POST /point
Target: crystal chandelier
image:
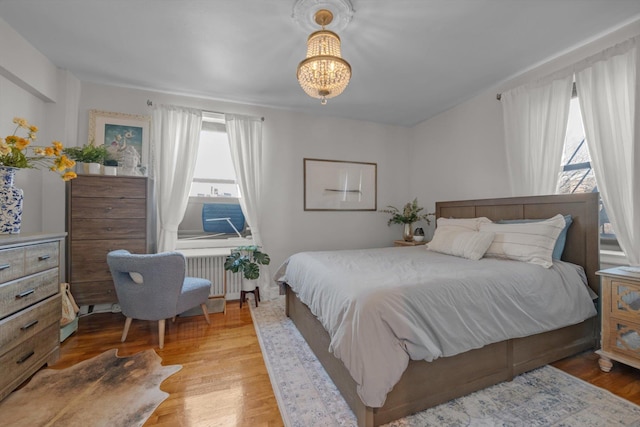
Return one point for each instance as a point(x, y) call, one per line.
point(323, 74)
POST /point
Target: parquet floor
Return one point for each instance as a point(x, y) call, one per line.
point(224, 381)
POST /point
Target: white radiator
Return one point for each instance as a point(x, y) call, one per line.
point(211, 267)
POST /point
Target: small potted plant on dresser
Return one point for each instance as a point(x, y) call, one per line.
point(247, 261)
point(88, 158)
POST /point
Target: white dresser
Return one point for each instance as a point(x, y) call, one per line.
point(30, 305)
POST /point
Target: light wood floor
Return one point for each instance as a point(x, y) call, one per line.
point(224, 382)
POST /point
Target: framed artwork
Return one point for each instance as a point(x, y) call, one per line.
point(337, 185)
point(126, 137)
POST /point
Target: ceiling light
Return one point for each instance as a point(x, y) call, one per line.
point(323, 74)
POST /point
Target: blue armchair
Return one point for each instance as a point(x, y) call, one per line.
point(154, 287)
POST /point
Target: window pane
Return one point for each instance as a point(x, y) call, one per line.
point(577, 175)
point(214, 189)
point(214, 157)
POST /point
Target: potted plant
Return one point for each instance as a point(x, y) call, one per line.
point(411, 212)
point(91, 156)
point(247, 260)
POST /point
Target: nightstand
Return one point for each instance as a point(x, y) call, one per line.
point(620, 295)
point(405, 243)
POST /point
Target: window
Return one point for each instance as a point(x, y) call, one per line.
point(214, 182)
point(577, 174)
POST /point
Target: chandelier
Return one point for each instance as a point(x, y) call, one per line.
point(323, 74)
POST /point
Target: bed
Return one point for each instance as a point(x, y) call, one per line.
point(425, 384)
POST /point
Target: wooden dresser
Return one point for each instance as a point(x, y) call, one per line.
point(30, 305)
point(104, 213)
point(620, 292)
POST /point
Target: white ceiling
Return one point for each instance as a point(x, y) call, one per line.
point(411, 59)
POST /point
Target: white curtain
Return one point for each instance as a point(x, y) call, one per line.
point(608, 91)
point(535, 124)
point(176, 134)
point(245, 141)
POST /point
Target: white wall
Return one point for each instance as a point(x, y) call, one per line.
point(288, 138)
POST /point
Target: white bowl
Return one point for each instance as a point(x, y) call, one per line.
point(418, 238)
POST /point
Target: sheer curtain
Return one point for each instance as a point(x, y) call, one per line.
point(245, 140)
point(176, 134)
point(608, 91)
point(535, 124)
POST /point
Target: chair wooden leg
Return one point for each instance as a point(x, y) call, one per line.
point(205, 312)
point(161, 332)
point(127, 324)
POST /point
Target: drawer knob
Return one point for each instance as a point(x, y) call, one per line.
point(44, 257)
point(25, 293)
point(4, 266)
point(109, 208)
point(109, 229)
point(29, 325)
point(25, 357)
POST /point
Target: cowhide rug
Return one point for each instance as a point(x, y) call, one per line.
point(103, 391)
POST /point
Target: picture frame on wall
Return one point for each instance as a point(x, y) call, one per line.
point(338, 185)
point(126, 137)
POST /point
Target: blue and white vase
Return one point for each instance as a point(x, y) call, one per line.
point(11, 199)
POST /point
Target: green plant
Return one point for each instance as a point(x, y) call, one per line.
point(409, 214)
point(87, 153)
point(246, 260)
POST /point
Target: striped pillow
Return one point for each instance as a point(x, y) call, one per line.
point(529, 242)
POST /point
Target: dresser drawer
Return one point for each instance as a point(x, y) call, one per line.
point(11, 264)
point(89, 293)
point(21, 293)
point(100, 186)
point(41, 257)
point(107, 228)
point(623, 338)
point(96, 207)
point(21, 361)
point(90, 271)
point(23, 325)
point(84, 251)
point(625, 299)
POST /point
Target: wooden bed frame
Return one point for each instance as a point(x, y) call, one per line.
point(427, 384)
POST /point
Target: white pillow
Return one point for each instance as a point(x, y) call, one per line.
point(466, 244)
point(462, 224)
point(529, 242)
point(136, 277)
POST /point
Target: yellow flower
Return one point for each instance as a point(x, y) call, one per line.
point(69, 176)
point(16, 151)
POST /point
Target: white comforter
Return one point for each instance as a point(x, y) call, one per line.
point(385, 306)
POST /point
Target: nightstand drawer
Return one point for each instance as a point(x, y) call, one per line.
point(625, 299)
point(623, 338)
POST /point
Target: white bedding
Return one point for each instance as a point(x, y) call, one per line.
point(385, 306)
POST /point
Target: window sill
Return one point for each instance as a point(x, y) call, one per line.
point(213, 243)
point(613, 257)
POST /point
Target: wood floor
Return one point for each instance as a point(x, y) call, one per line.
point(224, 382)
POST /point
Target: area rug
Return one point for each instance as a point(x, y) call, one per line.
point(103, 391)
point(544, 397)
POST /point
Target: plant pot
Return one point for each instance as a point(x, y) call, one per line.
point(110, 170)
point(248, 285)
point(91, 168)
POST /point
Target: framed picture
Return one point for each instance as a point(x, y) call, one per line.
point(125, 135)
point(336, 185)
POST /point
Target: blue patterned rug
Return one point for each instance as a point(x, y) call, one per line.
point(544, 397)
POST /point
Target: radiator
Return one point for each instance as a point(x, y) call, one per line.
point(212, 268)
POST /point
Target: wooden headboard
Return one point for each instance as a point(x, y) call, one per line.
point(583, 238)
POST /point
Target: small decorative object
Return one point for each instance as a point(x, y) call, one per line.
point(410, 213)
point(418, 234)
point(16, 153)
